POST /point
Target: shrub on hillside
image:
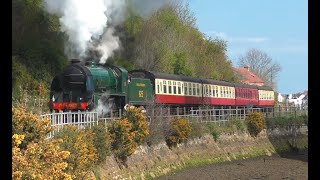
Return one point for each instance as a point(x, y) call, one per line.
point(237, 124)
point(198, 129)
point(122, 139)
point(128, 133)
point(139, 123)
point(179, 130)
point(80, 143)
point(156, 133)
point(39, 160)
point(285, 122)
point(214, 130)
point(29, 125)
point(33, 156)
point(304, 118)
point(101, 141)
point(255, 123)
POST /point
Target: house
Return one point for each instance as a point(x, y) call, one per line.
point(299, 100)
point(280, 98)
point(247, 77)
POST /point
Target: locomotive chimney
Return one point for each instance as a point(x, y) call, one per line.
point(73, 61)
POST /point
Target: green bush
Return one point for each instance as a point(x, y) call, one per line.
point(214, 130)
point(284, 122)
point(235, 124)
point(304, 118)
point(179, 130)
point(156, 134)
point(198, 129)
point(255, 123)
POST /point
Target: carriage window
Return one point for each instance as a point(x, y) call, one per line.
point(227, 91)
point(193, 89)
point(179, 87)
point(174, 87)
point(198, 89)
point(205, 90)
point(223, 92)
point(213, 91)
point(165, 87)
point(185, 89)
point(158, 87)
point(169, 86)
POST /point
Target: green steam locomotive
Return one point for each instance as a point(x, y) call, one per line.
point(88, 85)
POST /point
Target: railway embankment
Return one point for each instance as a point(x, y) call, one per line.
point(150, 162)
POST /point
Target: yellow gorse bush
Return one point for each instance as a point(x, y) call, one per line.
point(34, 157)
point(128, 133)
point(42, 160)
point(83, 157)
point(180, 130)
point(255, 123)
point(29, 125)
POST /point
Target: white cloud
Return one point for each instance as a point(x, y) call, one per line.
point(221, 35)
point(225, 36)
point(250, 39)
point(239, 44)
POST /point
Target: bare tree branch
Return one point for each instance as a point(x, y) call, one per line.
point(261, 64)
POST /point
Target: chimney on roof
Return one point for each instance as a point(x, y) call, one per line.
point(246, 67)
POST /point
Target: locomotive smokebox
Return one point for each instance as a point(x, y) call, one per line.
point(73, 61)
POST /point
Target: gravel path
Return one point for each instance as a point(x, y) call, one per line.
point(287, 166)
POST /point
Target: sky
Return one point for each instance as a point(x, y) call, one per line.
point(278, 28)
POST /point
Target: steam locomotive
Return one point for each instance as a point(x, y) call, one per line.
point(85, 85)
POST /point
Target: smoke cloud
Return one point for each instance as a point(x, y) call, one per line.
point(87, 22)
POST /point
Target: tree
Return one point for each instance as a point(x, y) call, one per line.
point(261, 64)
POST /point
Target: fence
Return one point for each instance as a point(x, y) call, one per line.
point(79, 119)
point(160, 115)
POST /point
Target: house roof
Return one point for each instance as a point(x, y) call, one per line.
point(247, 76)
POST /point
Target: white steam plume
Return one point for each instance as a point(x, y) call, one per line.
point(105, 105)
point(108, 44)
point(83, 20)
point(87, 21)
